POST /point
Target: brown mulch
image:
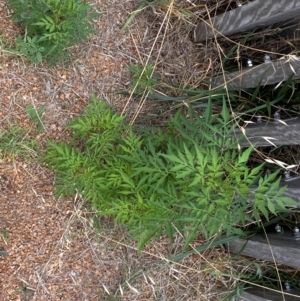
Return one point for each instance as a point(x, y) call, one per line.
point(54, 252)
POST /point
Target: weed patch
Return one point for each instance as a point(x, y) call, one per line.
point(189, 178)
point(50, 27)
point(13, 142)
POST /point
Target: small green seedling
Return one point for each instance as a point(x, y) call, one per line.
point(36, 116)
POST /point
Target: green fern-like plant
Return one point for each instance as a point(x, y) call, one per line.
point(50, 27)
point(189, 178)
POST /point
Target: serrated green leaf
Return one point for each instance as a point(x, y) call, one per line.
point(261, 207)
point(178, 167)
point(189, 156)
point(271, 207)
point(211, 208)
point(173, 158)
point(244, 157)
point(184, 174)
point(271, 177)
point(259, 196)
point(196, 181)
point(126, 178)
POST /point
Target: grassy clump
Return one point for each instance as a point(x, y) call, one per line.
point(13, 142)
point(189, 178)
point(50, 27)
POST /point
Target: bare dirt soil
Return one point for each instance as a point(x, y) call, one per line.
point(54, 251)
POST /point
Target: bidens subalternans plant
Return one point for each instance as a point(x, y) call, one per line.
point(189, 177)
point(50, 27)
